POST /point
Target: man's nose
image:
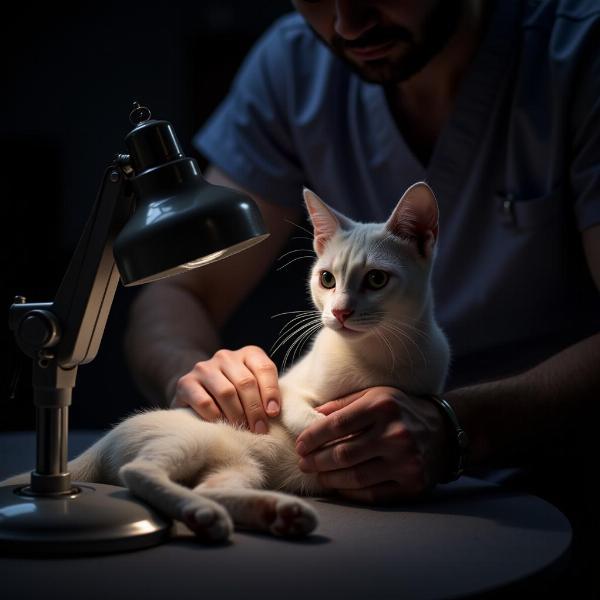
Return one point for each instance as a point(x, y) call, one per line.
point(352, 18)
point(341, 314)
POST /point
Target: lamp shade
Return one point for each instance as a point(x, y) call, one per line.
point(180, 221)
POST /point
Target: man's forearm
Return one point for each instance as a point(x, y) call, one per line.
point(510, 421)
point(169, 331)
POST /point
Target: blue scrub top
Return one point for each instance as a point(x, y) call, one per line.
point(516, 170)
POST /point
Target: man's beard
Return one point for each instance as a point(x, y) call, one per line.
point(408, 56)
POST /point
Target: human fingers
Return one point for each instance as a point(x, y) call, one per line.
point(221, 390)
point(248, 393)
point(365, 474)
point(345, 421)
point(189, 392)
point(342, 454)
point(408, 478)
point(334, 405)
point(265, 372)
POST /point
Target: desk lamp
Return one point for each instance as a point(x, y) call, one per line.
point(154, 216)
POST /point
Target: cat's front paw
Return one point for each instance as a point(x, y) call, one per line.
point(210, 523)
point(299, 424)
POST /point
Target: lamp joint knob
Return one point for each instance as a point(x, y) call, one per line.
point(139, 114)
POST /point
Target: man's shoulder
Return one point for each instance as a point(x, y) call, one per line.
point(566, 31)
point(291, 34)
point(547, 14)
point(291, 23)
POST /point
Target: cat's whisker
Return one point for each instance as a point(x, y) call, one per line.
point(295, 250)
point(389, 347)
point(398, 332)
point(303, 337)
point(403, 324)
point(302, 237)
point(297, 328)
point(296, 321)
point(406, 351)
point(294, 332)
point(294, 260)
point(300, 227)
point(301, 315)
point(292, 312)
point(307, 337)
point(416, 330)
point(407, 334)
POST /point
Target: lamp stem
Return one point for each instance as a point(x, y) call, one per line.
point(51, 440)
point(52, 415)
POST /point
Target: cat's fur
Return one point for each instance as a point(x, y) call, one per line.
point(212, 475)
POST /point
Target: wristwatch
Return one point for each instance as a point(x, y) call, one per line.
point(461, 440)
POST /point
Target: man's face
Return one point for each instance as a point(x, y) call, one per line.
point(385, 41)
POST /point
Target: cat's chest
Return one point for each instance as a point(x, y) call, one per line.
point(330, 379)
point(337, 380)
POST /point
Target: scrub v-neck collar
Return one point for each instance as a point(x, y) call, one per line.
point(478, 93)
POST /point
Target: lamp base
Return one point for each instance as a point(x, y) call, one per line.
point(98, 518)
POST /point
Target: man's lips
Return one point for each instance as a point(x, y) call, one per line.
point(371, 52)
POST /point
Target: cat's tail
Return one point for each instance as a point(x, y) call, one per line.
point(86, 467)
point(20, 479)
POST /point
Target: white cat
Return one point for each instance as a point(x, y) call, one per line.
point(371, 284)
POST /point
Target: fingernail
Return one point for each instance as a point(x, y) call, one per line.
point(272, 407)
point(300, 448)
point(260, 427)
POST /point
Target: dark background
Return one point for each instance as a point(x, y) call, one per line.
point(69, 77)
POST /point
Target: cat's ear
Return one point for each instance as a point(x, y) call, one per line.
point(326, 221)
point(415, 218)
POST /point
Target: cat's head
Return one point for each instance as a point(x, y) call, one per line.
point(372, 276)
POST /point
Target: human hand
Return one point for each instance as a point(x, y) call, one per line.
point(238, 385)
point(376, 445)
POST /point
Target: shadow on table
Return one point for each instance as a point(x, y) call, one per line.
point(466, 498)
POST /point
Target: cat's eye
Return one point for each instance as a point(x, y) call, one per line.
point(327, 280)
point(376, 279)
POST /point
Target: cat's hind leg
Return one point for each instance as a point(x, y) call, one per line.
point(152, 482)
point(235, 488)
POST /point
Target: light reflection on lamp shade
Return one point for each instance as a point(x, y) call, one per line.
point(204, 260)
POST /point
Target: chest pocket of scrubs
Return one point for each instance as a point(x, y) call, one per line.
point(536, 213)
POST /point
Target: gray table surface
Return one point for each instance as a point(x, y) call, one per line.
point(469, 537)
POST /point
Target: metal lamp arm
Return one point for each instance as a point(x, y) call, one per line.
point(68, 331)
point(85, 295)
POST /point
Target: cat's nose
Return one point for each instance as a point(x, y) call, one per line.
point(341, 314)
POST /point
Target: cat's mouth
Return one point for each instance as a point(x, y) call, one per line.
point(345, 330)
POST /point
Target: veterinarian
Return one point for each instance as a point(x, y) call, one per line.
point(497, 106)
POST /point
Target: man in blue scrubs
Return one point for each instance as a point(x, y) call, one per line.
point(497, 106)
